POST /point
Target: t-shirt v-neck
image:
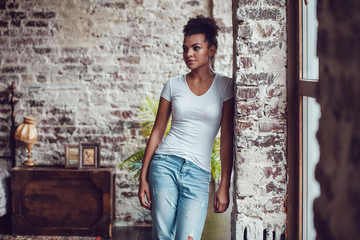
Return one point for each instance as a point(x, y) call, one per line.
point(188, 87)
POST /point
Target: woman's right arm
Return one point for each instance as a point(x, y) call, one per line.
point(156, 136)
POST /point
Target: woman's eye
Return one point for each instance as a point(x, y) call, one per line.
point(196, 48)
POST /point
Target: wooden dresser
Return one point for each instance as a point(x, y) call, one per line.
point(58, 201)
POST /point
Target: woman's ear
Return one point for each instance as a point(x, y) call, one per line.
point(212, 51)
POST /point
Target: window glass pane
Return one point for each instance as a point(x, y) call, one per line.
point(311, 154)
point(310, 61)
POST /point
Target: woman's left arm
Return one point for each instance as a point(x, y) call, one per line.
point(221, 198)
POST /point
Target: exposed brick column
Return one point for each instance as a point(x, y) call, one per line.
point(261, 127)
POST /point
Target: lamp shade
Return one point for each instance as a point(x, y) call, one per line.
point(26, 132)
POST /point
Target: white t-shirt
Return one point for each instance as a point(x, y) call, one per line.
point(195, 119)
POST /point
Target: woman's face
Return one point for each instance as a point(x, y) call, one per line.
point(196, 52)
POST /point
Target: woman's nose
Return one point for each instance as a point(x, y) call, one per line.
point(189, 53)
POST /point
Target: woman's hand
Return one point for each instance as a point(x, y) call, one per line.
point(144, 194)
point(221, 199)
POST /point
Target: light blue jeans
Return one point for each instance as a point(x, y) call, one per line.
point(179, 198)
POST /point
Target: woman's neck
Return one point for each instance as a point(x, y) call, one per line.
point(201, 74)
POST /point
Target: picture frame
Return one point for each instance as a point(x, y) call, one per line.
point(89, 155)
point(72, 155)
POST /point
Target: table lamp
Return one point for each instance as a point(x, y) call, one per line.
point(26, 133)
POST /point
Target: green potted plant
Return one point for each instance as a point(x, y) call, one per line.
point(147, 117)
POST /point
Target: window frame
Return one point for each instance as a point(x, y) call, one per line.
point(297, 88)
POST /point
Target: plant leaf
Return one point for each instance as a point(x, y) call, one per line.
point(215, 160)
point(135, 161)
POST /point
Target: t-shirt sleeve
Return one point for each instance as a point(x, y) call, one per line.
point(166, 92)
point(229, 90)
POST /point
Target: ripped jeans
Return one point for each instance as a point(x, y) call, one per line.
point(179, 198)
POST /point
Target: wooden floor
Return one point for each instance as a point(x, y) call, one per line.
point(136, 233)
point(119, 233)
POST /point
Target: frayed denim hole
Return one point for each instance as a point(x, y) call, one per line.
point(170, 202)
point(154, 191)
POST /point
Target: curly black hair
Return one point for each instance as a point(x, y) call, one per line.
point(203, 25)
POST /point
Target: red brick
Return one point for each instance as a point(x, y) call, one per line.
point(3, 41)
point(127, 114)
point(247, 2)
point(271, 187)
point(256, 79)
point(247, 92)
point(59, 111)
point(74, 68)
point(276, 206)
point(42, 50)
point(241, 126)
point(119, 5)
point(123, 114)
point(114, 140)
point(44, 15)
point(4, 24)
point(246, 62)
point(275, 112)
point(268, 31)
point(246, 108)
point(129, 194)
point(257, 48)
point(133, 132)
point(278, 3)
point(86, 61)
point(275, 92)
point(17, 15)
point(193, 3)
point(36, 24)
point(275, 155)
point(272, 127)
point(16, 23)
point(69, 60)
point(116, 113)
point(14, 69)
point(13, 5)
point(36, 103)
point(245, 32)
point(273, 172)
point(67, 130)
point(27, 32)
point(268, 141)
point(130, 59)
point(263, 14)
point(20, 42)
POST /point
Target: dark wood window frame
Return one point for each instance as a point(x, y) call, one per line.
point(297, 87)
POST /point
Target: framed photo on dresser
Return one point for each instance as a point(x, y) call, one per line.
point(72, 155)
point(89, 155)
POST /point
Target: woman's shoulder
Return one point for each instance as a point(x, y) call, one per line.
point(223, 78)
point(177, 78)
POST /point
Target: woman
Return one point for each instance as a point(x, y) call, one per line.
point(175, 175)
